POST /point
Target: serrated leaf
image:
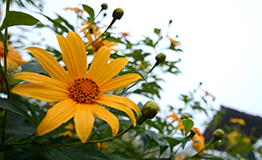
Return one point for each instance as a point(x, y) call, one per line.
point(13, 107)
point(84, 151)
point(90, 11)
point(14, 18)
point(188, 124)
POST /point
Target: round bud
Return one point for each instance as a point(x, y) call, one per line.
point(185, 116)
point(160, 58)
point(218, 134)
point(170, 21)
point(150, 109)
point(118, 13)
point(104, 6)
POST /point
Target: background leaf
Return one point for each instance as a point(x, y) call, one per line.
point(90, 11)
point(188, 124)
point(14, 18)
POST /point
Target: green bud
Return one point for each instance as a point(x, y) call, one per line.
point(104, 6)
point(150, 109)
point(185, 116)
point(118, 13)
point(160, 58)
point(218, 134)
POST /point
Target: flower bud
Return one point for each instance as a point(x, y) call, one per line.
point(118, 13)
point(160, 58)
point(185, 116)
point(104, 6)
point(218, 134)
point(150, 109)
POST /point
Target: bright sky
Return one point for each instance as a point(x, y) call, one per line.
point(221, 42)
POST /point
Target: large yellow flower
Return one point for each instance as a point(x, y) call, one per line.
point(13, 57)
point(79, 94)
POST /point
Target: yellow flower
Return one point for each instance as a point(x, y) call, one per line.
point(79, 94)
point(238, 120)
point(67, 134)
point(233, 137)
point(174, 42)
point(69, 126)
point(246, 140)
point(198, 138)
point(96, 45)
point(77, 10)
point(13, 57)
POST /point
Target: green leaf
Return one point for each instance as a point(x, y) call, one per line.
point(157, 31)
point(152, 124)
point(84, 151)
point(14, 18)
point(173, 141)
point(162, 144)
point(114, 39)
point(2, 39)
point(66, 23)
point(56, 24)
point(188, 124)
point(14, 107)
point(33, 66)
point(90, 11)
point(207, 156)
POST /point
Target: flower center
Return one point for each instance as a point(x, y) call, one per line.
point(84, 90)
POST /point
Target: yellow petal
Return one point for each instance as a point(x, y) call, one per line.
point(84, 120)
point(74, 54)
point(122, 100)
point(57, 115)
point(50, 64)
point(107, 116)
point(39, 92)
point(120, 107)
point(120, 82)
point(38, 78)
point(111, 70)
point(99, 63)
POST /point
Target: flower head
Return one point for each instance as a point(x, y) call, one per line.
point(199, 141)
point(233, 137)
point(176, 118)
point(13, 57)
point(174, 42)
point(77, 10)
point(79, 94)
point(238, 120)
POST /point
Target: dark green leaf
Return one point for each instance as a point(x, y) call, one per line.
point(152, 124)
point(162, 144)
point(33, 66)
point(113, 39)
point(90, 11)
point(56, 24)
point(207, 156)
point(173, 141)
point(157, 31)
point(66, 23)
point(84, 151)
point(14, 18)
point(2, 39)
point(188, 124)
point(14, 107)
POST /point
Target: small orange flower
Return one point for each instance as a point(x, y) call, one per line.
point(174, 42)
point(238, 120)
point(13, 57)
point(77, 10)
point(208, 94)
point(176, 118)
point(199, 141)
point(67, 134)
point(125, 34)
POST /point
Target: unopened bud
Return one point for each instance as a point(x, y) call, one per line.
point(185, 116)
point(118, 13)
point(218, 134)
point(160, 58)
point(104, 6)
point(150, 109)
point(170, 21)
point(104, 14)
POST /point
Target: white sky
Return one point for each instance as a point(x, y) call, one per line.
point(221, 42)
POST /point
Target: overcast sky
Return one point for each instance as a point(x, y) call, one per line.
point(221, 41)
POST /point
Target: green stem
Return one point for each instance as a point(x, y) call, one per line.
point(3, 131)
